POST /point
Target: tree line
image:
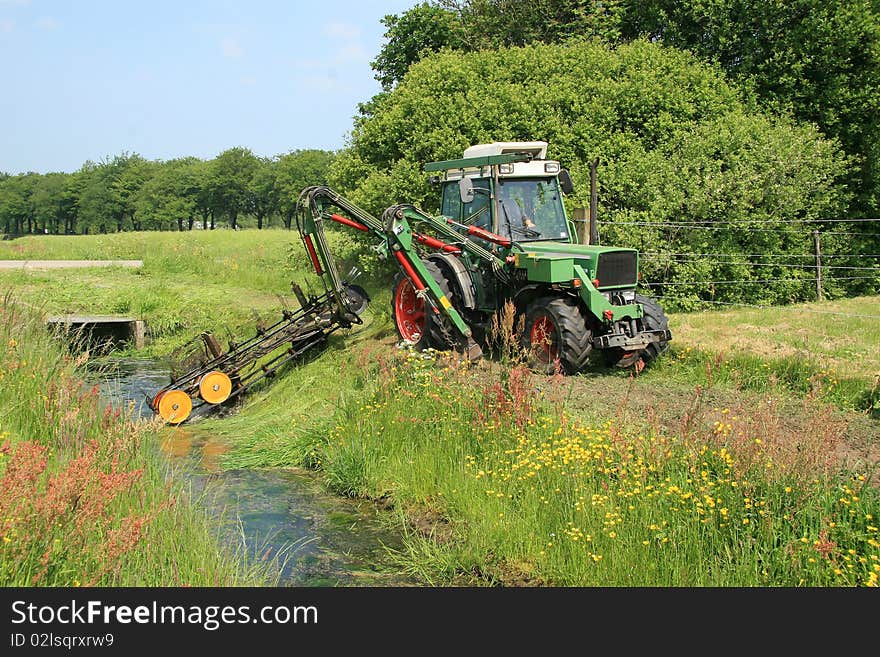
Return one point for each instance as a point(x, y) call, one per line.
point(815, 61)
point(128, 192)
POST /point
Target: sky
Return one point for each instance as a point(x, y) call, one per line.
point(90, 79)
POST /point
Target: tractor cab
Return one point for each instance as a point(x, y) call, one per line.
point(509, 189)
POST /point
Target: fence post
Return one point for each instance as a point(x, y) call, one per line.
point(818, 265)
point(594, 203)
point(581, 220)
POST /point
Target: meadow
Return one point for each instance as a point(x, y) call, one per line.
point(745, 457)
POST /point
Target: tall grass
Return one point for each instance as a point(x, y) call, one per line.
point(84, 498)
point(520, 490)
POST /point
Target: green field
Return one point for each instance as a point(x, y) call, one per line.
point(744, 457)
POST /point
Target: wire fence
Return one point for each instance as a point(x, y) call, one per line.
point(667, 272)
point(741, 304)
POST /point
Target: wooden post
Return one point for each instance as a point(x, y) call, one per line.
point(594, 204)
point(818, 265)
point(579, 217)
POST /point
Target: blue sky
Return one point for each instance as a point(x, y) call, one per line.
point(89, 79)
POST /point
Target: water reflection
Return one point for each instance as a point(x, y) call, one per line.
point(283, 515)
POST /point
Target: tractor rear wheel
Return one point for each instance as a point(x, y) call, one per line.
point(556, 334)
point(440, 328)
point(413, 317)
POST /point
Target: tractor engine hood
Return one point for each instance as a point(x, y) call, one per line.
point(549, 262)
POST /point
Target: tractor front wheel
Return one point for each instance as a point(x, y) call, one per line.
point(556, 335)
point(653, 319)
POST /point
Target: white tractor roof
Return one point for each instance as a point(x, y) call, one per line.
point(537, 148)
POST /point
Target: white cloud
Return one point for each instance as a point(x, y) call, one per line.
point(247, 80)
point(231, 48)
point(324, 83)
point(341, 31)
point(351, 53)
point(309, 64)
point(47, 23)
point(6, 26)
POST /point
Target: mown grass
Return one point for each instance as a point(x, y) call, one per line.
point(84, 496)
point(222, 281)
point(840, 336)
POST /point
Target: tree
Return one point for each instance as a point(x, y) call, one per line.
point(423, 29)
point(205, 192)
point(53, 203)
point(233, 171)
point(295, 171)
point(129, 173)
point(262, 192)
point(816, 59)
point(168, 198)
point(16, 203)
point(98, 206)
point(499, 23)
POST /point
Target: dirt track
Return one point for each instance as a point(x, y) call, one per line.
point(67, 264)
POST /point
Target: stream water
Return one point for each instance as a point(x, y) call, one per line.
point(283, 515)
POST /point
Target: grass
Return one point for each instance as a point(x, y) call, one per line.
point(840, 336)
point(84, 497)
point(523, 488)
point(732, 461)
point(221, 281)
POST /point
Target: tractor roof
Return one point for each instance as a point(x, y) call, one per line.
point(499, 152)
point(537, 149)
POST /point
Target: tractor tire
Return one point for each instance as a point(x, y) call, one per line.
point(653, 319)
point(556, 335)
point(441, 331)
point(413, 318)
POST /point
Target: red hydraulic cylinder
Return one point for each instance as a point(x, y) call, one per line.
point(482, 234)
point(486, 235)
point(348, 222)
point(410, 272)
point(435, 243)
point(312, 254)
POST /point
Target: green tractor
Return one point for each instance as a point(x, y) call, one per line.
point(571, 300)
point(502, 242)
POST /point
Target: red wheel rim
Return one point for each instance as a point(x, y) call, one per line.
point(409, 312)
point(543, 339)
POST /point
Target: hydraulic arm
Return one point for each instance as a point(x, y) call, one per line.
point(397, 239)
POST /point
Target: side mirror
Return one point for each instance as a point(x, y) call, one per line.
point(565, 183)
point(466, 190)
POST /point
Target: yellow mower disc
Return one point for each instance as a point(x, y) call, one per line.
point(215, 387)
point(175, 406)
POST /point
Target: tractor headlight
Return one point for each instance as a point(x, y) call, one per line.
point(505, 168)
point(551, 167)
